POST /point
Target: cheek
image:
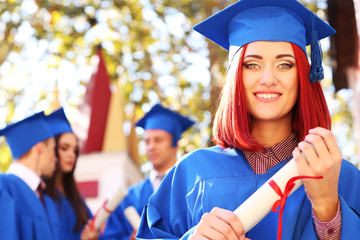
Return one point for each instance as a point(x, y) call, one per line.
point(249, 98)
point(62, 165)
point(248, 84)
point(51, 154)
point(293, 89)
point(165, 146)
point(62, 154)
point(246, 81)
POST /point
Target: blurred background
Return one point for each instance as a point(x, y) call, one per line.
point(108, 62)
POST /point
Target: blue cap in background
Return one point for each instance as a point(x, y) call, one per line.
point(23, 135)
point(248, 21)
point(164, 119)
point(58, 122)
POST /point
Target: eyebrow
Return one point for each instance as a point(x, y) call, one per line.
point(277, 57)
point(284, 55)
point(253, 56)
point(65, 145)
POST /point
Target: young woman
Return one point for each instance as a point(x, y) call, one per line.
point(272, 109)
point(62, 188)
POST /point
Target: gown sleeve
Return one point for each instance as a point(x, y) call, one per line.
point(166, 215)
point(7, 217)
point(197, 183)
point(117, 226)
point(22, 214)
point(349, 195)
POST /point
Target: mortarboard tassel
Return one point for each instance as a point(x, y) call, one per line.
point(316, 69)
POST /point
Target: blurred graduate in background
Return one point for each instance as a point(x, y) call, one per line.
point(62, 187)
point(163, 129)
point(25, 211)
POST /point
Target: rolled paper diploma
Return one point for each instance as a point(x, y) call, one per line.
point(109, 207)
point(133, 217)
point(260, 203)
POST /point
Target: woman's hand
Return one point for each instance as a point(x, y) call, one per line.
point(219, 224)
point(88, 233)
point(319, 155)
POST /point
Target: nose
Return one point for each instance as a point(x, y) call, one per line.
point(268, 78)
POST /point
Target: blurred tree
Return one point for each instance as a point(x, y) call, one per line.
point(151, 51)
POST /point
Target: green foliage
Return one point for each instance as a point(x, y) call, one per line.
point(5, 157)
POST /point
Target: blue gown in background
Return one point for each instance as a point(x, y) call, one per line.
point(23, 216)
point(68, 218)
point(117, 226)
point(216, 177)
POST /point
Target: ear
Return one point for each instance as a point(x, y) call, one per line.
point(39, 147)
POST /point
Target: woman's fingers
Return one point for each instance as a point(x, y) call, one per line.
point(329, 140)
point(319, 155)
point(219, 224)
point(231, 220)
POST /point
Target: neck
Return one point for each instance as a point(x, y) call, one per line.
point(30, 161)
point(272, 132)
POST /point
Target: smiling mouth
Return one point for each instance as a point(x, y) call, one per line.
point(267, 95)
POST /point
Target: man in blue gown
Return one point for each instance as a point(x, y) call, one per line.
point(163, 129)
point(26, 213)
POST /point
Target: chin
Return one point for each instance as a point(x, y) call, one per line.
point(67, 171)
point(49, 175)
point(267, 116)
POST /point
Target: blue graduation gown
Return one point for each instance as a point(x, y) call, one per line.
point(68, 218)
point(216, 177)
point(22, 214)
point(117, 226)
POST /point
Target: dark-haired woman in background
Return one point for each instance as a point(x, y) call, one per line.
point(62, 188)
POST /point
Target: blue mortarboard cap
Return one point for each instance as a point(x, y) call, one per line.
point(58, 122)
point(162, 118)
point(248, 21)
point(23, 135)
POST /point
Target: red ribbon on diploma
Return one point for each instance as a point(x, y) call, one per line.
point(97, 213)
point(283, 196)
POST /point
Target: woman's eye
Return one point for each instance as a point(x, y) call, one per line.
point(63, 148)
point(251, 65)
point(285, 65)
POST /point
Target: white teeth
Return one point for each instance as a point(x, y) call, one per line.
point(267, 95)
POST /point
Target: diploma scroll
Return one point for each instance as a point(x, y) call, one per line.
point(133, 217)
point(108, 208)
point(260, 203)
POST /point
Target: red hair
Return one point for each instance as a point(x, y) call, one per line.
point(232, 124)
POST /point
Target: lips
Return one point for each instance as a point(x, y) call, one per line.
point(267, 96)
point(70, 163)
